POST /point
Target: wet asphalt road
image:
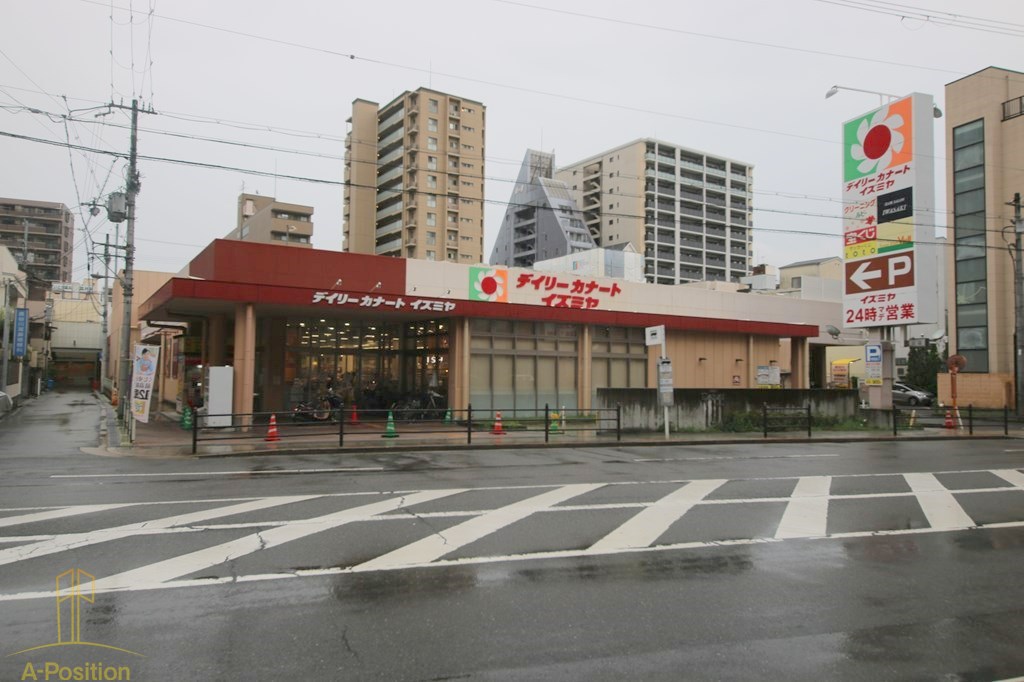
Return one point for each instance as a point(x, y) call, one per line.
point(816, 561)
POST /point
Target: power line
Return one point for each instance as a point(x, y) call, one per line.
point(927, 16)
point(342, 183)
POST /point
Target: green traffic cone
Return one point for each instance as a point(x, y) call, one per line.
point(186, 419)
point(448, 416)
point(389, 430)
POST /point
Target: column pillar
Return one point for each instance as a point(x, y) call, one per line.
point(216, 340)
point(585, 369)
point(244, 362)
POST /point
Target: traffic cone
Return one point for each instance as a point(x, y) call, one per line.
point(448, 416)
point(496, 429)
point(272, 430)
point(355, 415)
point(389, 430)
point(948, 423)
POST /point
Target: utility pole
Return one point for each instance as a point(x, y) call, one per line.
point(1018, 291)
point(7, 334)
point(124, 376)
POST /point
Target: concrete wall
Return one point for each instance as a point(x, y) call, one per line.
point(704, 409)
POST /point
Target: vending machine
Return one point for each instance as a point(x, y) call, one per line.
point(218, 391)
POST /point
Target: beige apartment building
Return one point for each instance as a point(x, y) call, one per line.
point(414, 174)
point(687, 212)
point(40, 233)
point(266, 220)
point(985, 145)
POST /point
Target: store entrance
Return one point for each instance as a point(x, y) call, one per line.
point(373, 364)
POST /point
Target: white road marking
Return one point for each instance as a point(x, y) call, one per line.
point(646, 527)
point(437, 545)
point(937, 502)
point(74, 540)
point(715, 459)
point(225, 473)
point(1011, 476)
point(806, 514)
point(63, 512)
point(536, 556)
point(176, 567)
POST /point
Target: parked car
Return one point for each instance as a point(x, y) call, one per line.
point(905, 394)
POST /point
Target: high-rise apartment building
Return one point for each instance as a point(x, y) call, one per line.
point(542, 220)
point(40, 235)
point(687, 212)
point(414, 174)
point(985, 142)
point(264, 219)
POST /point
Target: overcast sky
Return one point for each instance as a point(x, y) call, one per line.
point(744, 79)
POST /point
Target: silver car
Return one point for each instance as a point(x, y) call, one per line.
point(904, 394)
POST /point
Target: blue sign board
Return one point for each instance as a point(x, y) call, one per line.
point(873, 352)
point(20, 331)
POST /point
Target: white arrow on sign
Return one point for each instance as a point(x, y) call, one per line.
point(862, 275)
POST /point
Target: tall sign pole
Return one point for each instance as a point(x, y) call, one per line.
point(1018, 291)
point(123, 381)
point(888, 196)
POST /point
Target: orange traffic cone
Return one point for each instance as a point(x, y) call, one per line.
point(355, 415)
point(496, 429)
point(948, 423)
point(272, 429)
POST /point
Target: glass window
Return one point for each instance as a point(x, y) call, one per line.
point(970, 202)
point(970, 270)
point(432, 125)
point(972, 338)
point(432, 144)
point(971, 178)
point(968, 157)
point(432, 106)
point(966, 225)
point(977, 360)
point(969, 133)
point(971, 315)
point(970, 247)
point(431, 219)
point(971, 292)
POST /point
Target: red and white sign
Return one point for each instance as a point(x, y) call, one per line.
point(892, 271)
point(888, 196)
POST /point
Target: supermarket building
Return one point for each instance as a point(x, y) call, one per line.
point(293, 322)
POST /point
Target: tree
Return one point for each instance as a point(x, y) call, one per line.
point(923, 366)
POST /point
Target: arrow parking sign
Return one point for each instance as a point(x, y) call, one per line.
point(893, 271)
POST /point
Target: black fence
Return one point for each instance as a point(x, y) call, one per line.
point(332, 425)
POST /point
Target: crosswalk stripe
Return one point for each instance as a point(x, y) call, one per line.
point(63, 512)
point(937, 502)
point(75, 540)
point(436, 546)
point(644, 528)
point(806, 512)
point(1011, 476)
point(199, 560)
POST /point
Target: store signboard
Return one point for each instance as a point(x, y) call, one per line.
point(888, 213)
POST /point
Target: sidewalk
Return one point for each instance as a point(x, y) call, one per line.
point(163, 437)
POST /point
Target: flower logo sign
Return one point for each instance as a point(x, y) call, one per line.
point(488, 284)
point(878, 141)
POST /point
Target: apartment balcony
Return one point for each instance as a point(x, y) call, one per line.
point(392, 119)
point(391, 157)
point(715, 245)
point(391, 138)
point(716, 182)
point(692, 165)
point(691, 258)
point(390, 175)
point(389, 248)
point(389, 211)
point(715, 231)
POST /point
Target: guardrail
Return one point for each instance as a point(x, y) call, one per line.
point(442, 424)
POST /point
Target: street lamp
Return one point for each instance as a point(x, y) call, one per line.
point(936, 112)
